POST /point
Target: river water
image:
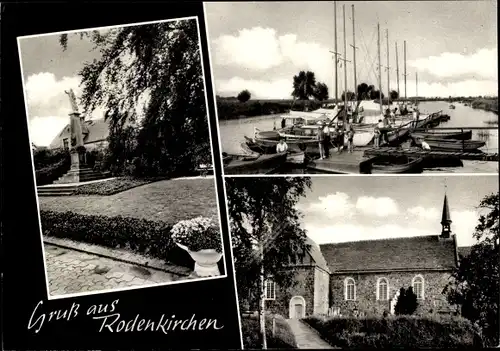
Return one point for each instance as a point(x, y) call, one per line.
point(232, 132)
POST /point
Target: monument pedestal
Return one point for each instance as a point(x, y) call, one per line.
point(79, 171)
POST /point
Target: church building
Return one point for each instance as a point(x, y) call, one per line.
point(95, 133)
point(363, 278)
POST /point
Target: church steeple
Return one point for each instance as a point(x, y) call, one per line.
point(445, 220)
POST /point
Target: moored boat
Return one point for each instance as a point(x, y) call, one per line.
point(253, 164)
point(452, 107)
point(462, 135)
point(391, 165)
point(396, 136)
point(297, 158)
point(454, 145)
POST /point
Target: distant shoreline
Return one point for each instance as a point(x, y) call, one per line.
point(232, 109)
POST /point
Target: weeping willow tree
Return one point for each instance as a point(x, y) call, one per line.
point(150, 76)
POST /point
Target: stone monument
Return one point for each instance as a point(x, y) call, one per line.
point(77, 150)
point(78, 171)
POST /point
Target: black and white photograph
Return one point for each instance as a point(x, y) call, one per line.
point(122, 156)
point(328, 262)
point(360, 87)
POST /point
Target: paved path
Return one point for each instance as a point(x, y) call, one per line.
point(71, 271)
point(306, 337)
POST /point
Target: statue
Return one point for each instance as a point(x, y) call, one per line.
point(75, 121)
point(72, 100)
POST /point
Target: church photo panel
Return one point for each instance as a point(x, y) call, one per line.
point(346, 247)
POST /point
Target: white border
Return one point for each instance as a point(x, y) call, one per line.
point(207, 31)
point(49, 297)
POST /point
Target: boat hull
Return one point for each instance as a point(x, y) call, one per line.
point(297, 158)
point(264, 164)
point(467, 135)
point(455, 145)
point(392, 165)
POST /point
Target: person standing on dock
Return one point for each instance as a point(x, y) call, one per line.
point(340, 139)
point(281, 147)
point(376, 135)
point(350, 140)
point(326, 139)
point(321, 142)
point(381, 127)
point(416, 117)
point(393, 116)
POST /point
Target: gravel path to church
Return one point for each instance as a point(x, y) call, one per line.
point(306, 337)
point(70, 271)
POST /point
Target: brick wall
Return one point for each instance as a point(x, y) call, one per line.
point(366, 293)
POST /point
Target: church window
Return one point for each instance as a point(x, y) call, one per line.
point(270, 290)
point(65, 143)
point(418, 286)
point(350, 289)
point(382, 289)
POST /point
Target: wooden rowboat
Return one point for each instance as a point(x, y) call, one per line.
point(297, 158)
point(391, 165)
point(260, 164)
point(465, 135)
point(455, 145)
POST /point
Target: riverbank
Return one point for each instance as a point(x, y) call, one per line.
point(231, 108)
point(490, 105)
point(228, 108)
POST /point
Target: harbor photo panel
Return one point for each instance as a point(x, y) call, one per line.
point(354, 93)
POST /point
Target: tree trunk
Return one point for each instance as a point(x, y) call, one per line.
point(262, 305)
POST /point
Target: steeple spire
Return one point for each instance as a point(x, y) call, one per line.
point(446, 219)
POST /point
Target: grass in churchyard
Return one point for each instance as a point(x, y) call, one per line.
point(167, 200)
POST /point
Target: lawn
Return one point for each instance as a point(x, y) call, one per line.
point(167, 200)
point(283, 337)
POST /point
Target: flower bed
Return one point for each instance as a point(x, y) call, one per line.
point(401, 331)
point(113, 186)
point(150, 238)
point(250, 328)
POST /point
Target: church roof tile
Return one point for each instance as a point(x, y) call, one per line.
point(413, 253)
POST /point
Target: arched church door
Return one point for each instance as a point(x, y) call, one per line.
point(297, 307)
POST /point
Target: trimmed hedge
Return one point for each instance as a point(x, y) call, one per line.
point(250, 328)
point(151, 238)
point(49, 174)
point(401, 331)
point(50, 165)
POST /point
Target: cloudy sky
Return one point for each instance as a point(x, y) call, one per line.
point(452, 45)
point(47, 72)
point(339, 209)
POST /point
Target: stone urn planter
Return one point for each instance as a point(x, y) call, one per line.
point(201, 238)
point(205, 261)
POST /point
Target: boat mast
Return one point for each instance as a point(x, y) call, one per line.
point(405, 68)
point(345, 74)
point(336, 56)
point(397, 68)
point(354, 55)
point(416, 88)
point(388, 71)
point(379, 70)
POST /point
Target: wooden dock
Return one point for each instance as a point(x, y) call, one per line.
point(393, 151)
